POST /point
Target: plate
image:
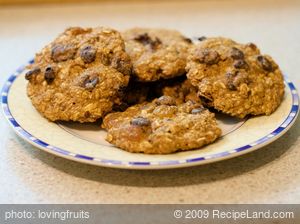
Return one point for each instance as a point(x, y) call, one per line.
point(86, 142)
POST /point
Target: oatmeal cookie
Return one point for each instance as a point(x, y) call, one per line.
point(235, 78)
point(80, 75)
point(162, 127)
point(156, 53)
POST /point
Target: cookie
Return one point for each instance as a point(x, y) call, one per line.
point(80, 75)
point(156, 53)
point(235, 78)
point(161, 127)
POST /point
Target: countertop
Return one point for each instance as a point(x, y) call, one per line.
point(268, 175)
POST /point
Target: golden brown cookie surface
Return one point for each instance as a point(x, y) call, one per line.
point(156, 53)
point(161, 127)
point(79, 75)
point(235, 78)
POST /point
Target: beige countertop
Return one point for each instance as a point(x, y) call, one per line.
point(268, 175)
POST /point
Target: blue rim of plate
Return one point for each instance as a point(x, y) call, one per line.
point(134, 164)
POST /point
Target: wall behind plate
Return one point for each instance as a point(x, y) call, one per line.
point(13, 2)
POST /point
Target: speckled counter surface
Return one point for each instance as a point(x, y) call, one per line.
point(269, 175)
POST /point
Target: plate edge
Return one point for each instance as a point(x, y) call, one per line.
point(275, 134)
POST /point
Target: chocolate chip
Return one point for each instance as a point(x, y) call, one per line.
point(88, 54)
point(60, 52)
point(90, 82)
point(49, 74)
point(240, 64)
point(235, 79)
point(198, 110)
point(155, 43)
point(87, 114)
point(240, 78)
point(236, 53)
point(208, 56)
point(252, 46)
point(31, 73)
point(159, 71)
point(188, 40)
point(202, 38)
point(140, 121)
point(265, 63)
point(165, 100)
point(143, 38)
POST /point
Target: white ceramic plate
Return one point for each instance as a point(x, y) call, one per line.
point(85, 142)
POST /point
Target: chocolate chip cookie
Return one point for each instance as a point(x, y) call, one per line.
point(162, 127)
point(80, 75)
point(235, 78)
point(156, 53)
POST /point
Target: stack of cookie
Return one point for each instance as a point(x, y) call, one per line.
point(152, 88)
